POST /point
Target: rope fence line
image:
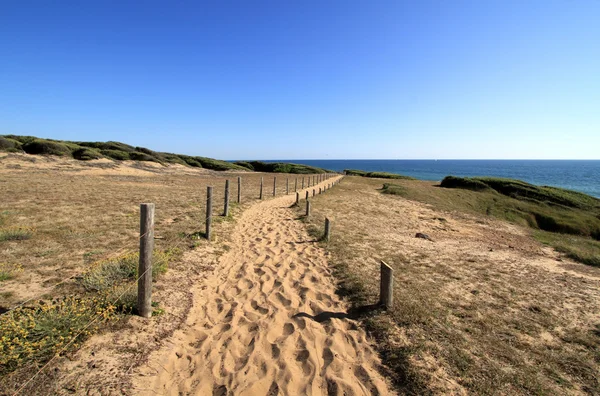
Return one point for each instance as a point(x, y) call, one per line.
point(113, 255)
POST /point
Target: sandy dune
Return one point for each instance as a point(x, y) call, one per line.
point(263, 323)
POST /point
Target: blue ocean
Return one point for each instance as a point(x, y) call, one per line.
point(578, 175)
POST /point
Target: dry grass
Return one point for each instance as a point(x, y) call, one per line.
point(86, 223)
point(82, 217)
point(482, 309)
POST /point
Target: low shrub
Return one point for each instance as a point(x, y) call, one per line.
point(465, 183)
point(137, 156)
point(115, 154)
point(393, 189)
point(86, 154)
point(10, 145)
point(377, 175)
point(35, 334)
point(16, 233)
point(106, 274)
point(46, 147)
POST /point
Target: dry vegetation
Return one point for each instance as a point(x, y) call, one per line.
point(483, 308)
point(70, 229)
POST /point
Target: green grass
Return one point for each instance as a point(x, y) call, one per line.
point(15, 234)
point(524, 191)
point(571, 226)
point(377, 175)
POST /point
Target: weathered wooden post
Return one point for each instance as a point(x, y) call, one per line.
point(287, 186)
point(327, 230)
point(306, 195)
point(307, 208)
point(261, 188)
point(226, 204)
point(296, 185)
point(208, 211)
point(314, 192)
point(303, 182)
point(386, 294)
point(144, 297)
point(239, 189)
point(297, 197)
point(274, 185)
point(313, 180)
point(319, 190)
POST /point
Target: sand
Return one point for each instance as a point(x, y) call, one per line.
point(267, 321)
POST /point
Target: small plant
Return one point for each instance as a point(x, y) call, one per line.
point(36, 334)
point(16, 234)
point(9, 271)
point(106, 274)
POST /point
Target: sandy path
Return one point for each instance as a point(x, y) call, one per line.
point(244, 336)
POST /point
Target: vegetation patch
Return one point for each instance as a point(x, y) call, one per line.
point(524, 191)
point(377, 175)
point(46, 147)
point(9, 271)
point(34, 334)
point(16, 233)
point(10, 145)
point(280, 167)
point(87, 154)
point(393, 189)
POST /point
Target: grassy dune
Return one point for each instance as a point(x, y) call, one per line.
point(481, 308)
point(117, 151)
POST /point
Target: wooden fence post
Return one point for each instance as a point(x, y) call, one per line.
point(307, 208)
point(239, 189)
point(306, 195)
point(386, 293)
point(296, 185)
point(226, 204)
point(319, 190)
point(327, 230)
point(297, 197)
point(208, 211)
point(144, 297)
point(303, 182)
point(314, 192)
point(287, 186)
point(274, 185)
point(261, 188)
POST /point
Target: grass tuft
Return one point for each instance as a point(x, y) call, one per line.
point(16, 234)
point(9, 271)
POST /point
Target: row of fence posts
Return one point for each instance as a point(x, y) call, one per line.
point(144, 298)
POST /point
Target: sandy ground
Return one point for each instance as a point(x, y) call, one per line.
point(514, 305)
point(266, 322)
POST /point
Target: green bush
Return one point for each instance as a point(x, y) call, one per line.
point(116, 154)
point(377, 175)
point(465, 183)
point(108, 146)
point(137, 156)
point(46, 147)
point(280, 167)
point(86, 154)
point(393, 189)
point(10, 145)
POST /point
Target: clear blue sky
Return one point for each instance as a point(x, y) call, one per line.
point(307, 79)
